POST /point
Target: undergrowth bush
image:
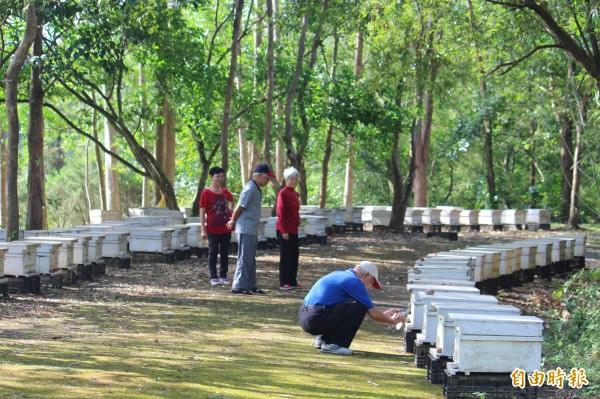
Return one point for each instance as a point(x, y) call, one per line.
point(572, 341)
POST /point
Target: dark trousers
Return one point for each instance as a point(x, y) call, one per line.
point(288, 259)
point(218, 244)
point(337, 324)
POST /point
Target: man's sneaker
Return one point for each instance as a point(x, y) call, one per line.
point(214, 281)
point(224, 281)
point(318, 341)
point(286, 287)
point(335, 349)
point(298, 287)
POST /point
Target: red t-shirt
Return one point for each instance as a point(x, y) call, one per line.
point(217, 212)
point(288, 211)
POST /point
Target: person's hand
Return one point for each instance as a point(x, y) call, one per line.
point(231, 224)
point(203, 235)
point(286, 236)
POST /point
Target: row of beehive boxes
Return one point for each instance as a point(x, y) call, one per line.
point(452, 317)
point(453, 216)
point(43, 251)
point(486, 262)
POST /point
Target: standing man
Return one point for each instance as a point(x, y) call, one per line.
point(336, 305)
point(245, 220)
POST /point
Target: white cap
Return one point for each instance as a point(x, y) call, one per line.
point(369, 267)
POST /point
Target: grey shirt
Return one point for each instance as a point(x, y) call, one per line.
point(250, 200)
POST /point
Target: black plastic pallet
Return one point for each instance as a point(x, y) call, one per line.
point(121, 263)
point(4, 289)
point(24, 284)
point(409, 340)
point(436, 368)
point(183, 253)
point(98, 269)
point(488, 385)
point(70, 276)
point(422, 355)
point(153, 257)
point(84, 272)
point(52, 280)
point(450, 235)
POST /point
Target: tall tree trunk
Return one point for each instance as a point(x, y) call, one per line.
point(235, 43)
point(159, 147)
point(565, 130)
point(112, 174)
point(36, 193)
point(270, 82)
point(329, 135)
point(402, 188)
point(3, 200)
point(144, 101)
point(349, 180)
point(169, 159)
point(422, 148)
point(12, 116)
point(487, 124)
point(99, 162)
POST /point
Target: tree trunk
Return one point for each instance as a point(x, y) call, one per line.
point(112, 174)
point(159, 146)
point(402, 188)
point(270, 83)
point(12, 116)
point(36, 193)
point(205, 163)
point(169, 159)
point(573, 222)
point(349, 180)
point(329, 136)
point(145, 180)
point(99, 163)
point(235, 43)
point(3, 177)
point(565, 126)
point(422, 148)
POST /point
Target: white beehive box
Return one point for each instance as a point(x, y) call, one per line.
point(446, 328)
point(543, 251)
point(314, 225)
point(417, 308)
point(47, 257)
point(502, 265)
point(194, 234)
point(444, 272)
point(413, 217)
point(513, 216)
point(357, 214)
point(418, 289)
point(266, 211)
point(449, 215)
point(260, 230)
point(491, 266)
point(477, 259)
point(339, 214)
point(115, 244)
point(418, 279)
point(95, 244)
point(81, 247)
point(559, 249)
point(20, 257)
point(580, 243)
point(179, 236)
point(430, 215)
point(523, 326)
point(538, 216)
point(381, 217)
point(156, 239)
point(526, 253)
point(569, 244)
point(65, 252)
point(489, 217)
point(512, 254)
point(431, 319)
point(102, 215)
point(2, 252)
point(469, 217)
point(271, 228)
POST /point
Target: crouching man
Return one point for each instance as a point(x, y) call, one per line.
point(335, 307)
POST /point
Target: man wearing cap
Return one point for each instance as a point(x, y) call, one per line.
point(336, 305)
point(245, 220)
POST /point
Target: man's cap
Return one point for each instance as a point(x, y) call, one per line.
point(370, 268)
point(264, 168)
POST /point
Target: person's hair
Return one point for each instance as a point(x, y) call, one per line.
point(215, 170)
point(289, 172)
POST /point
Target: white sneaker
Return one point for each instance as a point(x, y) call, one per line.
point(336, 349)
point(214, 281)
point(224, 281)
point(318, 341)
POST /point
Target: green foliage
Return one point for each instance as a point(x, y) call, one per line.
point(573, 341)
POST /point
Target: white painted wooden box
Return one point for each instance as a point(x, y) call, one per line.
point(47, 257)
point(271, 228)
point(430, 215)
point(543, 251)
point(20, 257)
point(418, 279)
point(381, 217)
point(580, 243)
point(156, 239)
point(449, 216)
point(266, 211)
point(512, 254)
point(489, 217)
point(81, 247)
point(446, 328)
point(538, 216)
point(179, 236)
point(490, 268)
point(65, 252)
point(314, 225)
point(513, 216)
point(502, 266)
point(444, 272)
point(2, 252)
point(417, 308)
point(339, 215)
point(477, 259)
point(469, 217)
point(102, 215)
point(194, 234)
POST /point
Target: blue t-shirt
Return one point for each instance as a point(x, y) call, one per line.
point(250, 200)
point(339, 286)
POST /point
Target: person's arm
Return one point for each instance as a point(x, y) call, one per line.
point(236, 214)
point(390, 316)
point(203, 223)
point(281, 214)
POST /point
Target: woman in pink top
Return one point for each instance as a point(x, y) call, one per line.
point(215, 211)
point(288, 220)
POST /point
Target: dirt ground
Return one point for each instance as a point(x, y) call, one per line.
point(394, 254)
